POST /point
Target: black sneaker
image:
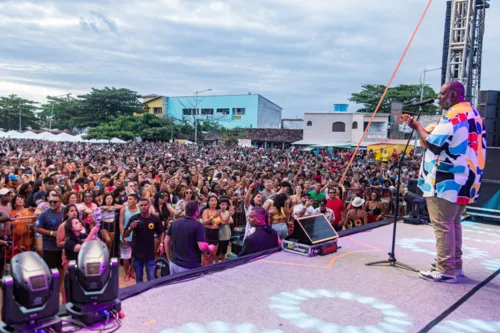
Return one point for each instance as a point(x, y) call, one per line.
point(458, 272)
point(436, 276)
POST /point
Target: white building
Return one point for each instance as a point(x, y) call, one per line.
point(292, 123)
point(342, 129)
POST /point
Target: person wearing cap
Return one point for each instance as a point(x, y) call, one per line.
point(5, 206)
point(356, 216)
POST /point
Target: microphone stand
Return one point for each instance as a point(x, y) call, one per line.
point(392, 261)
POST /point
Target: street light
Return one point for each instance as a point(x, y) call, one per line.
point(422, 85)
point(196, 113)
point(52, 111)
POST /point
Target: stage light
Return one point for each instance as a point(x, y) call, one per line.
point(417, 207)
point(30, 296)
point(92, 284)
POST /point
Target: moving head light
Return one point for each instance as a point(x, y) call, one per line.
point(30, 296)
point(92, 284)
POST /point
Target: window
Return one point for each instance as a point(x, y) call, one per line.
point(355, 125)
point(207, 111)
point(157, 110)
point(189, 112)
point(338, 127)
point(309, 123)
point(223, 111)
point(238, 111)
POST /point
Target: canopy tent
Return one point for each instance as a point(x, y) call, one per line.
point(48, 136)
point(389, 147)
point(335, 145)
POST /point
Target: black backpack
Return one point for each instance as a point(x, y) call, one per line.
point(161, 267)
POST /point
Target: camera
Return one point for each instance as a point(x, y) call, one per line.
point(139, 224)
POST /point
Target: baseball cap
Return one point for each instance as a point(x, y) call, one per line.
point(4, 191)
point(14, 178)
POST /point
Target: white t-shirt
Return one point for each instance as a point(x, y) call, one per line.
point(298, 208)
point(330, 216)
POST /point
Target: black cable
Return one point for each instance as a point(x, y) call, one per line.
point(461, 301)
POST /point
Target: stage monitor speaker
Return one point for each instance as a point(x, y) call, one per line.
point(492, 162)
point(312, 230)
point(413, 188)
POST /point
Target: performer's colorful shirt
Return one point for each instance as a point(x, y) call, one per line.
point(455, 156)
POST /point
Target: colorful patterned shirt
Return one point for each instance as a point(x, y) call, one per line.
point(455, 156)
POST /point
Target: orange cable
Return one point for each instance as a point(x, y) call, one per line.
point(386, 89)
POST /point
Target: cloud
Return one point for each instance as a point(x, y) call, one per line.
point(303, 55)
point(98, 23)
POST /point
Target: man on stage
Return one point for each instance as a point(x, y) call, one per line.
point(450, 176)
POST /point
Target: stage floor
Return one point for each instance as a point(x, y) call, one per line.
point(286, 292)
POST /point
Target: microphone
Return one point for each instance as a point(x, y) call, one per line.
point(422, 103)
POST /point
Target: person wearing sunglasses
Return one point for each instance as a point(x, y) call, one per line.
point(47, 224)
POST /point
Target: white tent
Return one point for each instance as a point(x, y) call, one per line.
point(116, 140)
point(67, 137)
point(54, 137)
point(30, 135)
point(47, 136)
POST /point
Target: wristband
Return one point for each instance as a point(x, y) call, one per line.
point(51, 233)
point(161, 245)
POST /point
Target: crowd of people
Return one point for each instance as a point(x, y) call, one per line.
point(149, 198)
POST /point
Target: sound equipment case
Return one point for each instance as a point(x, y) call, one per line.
point(312, 235)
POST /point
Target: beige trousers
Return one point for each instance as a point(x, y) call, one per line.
point(445, 217)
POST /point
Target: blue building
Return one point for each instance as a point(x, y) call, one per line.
point(230, 111)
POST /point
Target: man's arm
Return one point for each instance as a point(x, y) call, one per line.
point(122, 219)
point(132, 224)
point(161, 231)
point(4, 217)
point(41, 223)
point(167, 247)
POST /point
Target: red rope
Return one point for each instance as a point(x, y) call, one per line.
point(385, 91)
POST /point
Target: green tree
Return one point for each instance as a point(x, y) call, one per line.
point(370, 95)
point(230, 136)
point(60, 112)
point(13, 106)
point(146, 126)
point(104, 105)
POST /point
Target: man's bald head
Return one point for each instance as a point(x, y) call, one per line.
point(457, 87)
point(451, 93)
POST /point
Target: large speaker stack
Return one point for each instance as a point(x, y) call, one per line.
point(489, 108)
point(487, 207)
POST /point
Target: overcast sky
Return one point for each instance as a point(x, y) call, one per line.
point(303, 55)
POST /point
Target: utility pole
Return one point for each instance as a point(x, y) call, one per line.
point(52, 110)
point(196, 114)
